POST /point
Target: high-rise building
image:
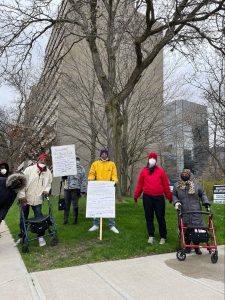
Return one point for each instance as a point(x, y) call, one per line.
point(68, 99)
point(186, 137)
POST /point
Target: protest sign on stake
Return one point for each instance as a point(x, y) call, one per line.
point(100, 201)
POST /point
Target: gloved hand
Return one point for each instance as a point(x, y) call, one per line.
point(207, 206)
point(178, 205)
point(135, 200)
point(45, 194)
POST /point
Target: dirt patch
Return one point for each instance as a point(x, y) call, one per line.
point(199, 266)
point(63, 255)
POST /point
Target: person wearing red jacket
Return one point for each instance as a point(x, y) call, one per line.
point(154, 184)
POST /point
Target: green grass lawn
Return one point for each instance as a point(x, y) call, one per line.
point(77, 246)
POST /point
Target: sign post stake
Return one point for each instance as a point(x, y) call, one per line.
point(100, 232)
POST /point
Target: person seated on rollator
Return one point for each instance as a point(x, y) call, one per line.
point(187, 195)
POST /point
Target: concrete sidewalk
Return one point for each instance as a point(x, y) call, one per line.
point(153, 277)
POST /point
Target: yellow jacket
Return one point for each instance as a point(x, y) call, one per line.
point(103, 171)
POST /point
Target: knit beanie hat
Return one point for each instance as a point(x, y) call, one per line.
point(153, 155)
point(186, 171)
point(104, 151)
point(43, 155)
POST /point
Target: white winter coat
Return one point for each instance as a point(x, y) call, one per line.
point(37, 183)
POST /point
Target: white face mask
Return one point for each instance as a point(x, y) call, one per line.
point(152, 162)
point(41, 165)
point(3, 171)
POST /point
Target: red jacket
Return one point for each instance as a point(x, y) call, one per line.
point(155, 184)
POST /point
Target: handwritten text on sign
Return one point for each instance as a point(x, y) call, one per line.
point(64, 160)
point(100, 199)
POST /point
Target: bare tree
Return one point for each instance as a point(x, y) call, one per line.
point(19, 139)
point(106, 26)
point(211, 85)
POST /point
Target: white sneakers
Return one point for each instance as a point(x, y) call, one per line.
point(151, 240)
point(18, 242)
point(162, 241)
point(94, 228)
point(114, 229)
point(42, 241)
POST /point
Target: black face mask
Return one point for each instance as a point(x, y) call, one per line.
point(185, 177)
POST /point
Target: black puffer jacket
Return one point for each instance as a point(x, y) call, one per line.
point(9, 187)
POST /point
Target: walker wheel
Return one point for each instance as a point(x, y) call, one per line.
point(25, 248)
point(214, 257)
point(54, 241)
point(181, 255)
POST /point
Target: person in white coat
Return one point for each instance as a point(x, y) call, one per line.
point(39, 180)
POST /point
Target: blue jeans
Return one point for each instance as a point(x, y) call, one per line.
point(111, 222)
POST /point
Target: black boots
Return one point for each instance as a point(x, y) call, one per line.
point(75, 216)
point(66, 215)
point(198, 251)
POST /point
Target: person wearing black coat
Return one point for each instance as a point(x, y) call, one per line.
point(9, 187)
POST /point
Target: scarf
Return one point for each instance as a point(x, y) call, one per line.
point(189, 184)
point(40, 169)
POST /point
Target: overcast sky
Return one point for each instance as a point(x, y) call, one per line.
point(7, 95)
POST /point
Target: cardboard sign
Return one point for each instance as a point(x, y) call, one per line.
point(64, 160)
point(100, 199)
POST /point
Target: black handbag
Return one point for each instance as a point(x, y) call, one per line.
point(61, 201)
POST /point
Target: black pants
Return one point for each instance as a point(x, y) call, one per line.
point(155, 205)
point(71, 196)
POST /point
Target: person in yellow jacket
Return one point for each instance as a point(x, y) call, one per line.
point(103, 170)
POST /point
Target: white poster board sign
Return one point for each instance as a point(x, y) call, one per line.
point(64, 160)
point(219, 194)
point(100, 199)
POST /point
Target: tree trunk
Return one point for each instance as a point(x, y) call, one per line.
point(114, 123)
point(125, 164)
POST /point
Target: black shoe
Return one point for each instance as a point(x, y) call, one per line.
point(188, 250)
point(198, 251)
point(65, 222)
